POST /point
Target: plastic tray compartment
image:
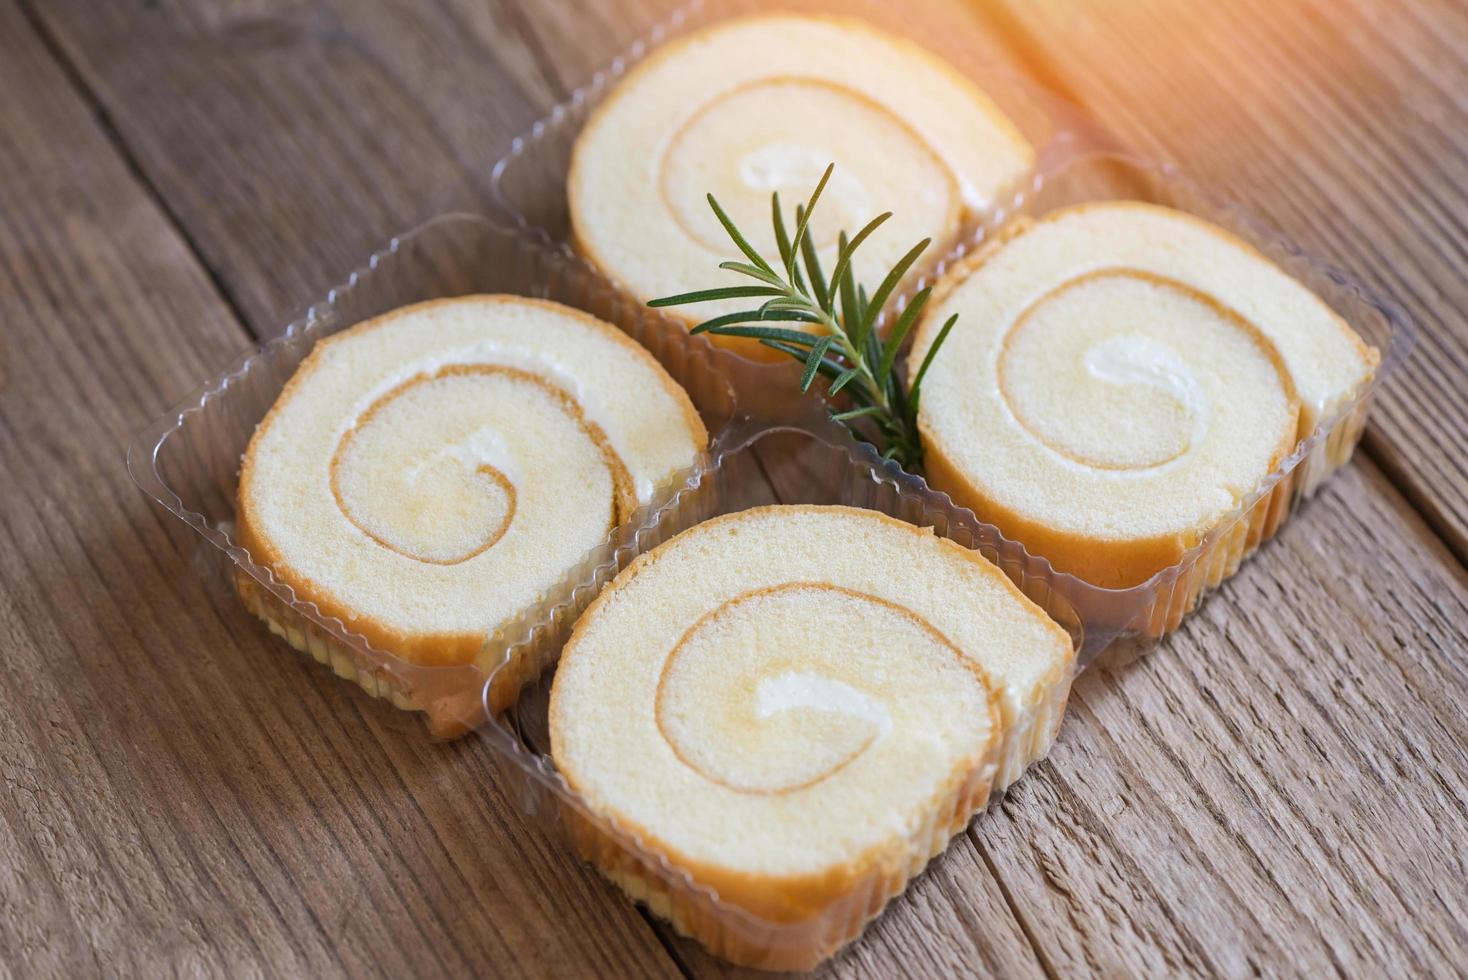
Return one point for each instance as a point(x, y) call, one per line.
point(814, 460)
point(785, 449)
point(1158, 605)
point(188, 460)
point(767, 443)
point(787, 465)
point(1075, 163)
point(529, 182)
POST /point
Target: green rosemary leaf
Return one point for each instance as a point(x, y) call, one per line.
point(743, 243)
point(843, 380)
point(782, 237)
point(799, 303)
point(813, 361)
point(844, 315)
point(915, 389)
point(827, 367)
point(845, 281)
point(717, 324)
point(879, 298)
point(858, 392)
point(846, 249)
point(754, 272)
point(813, 272)
point(897, 399)
point(771, 333)
point(792, 262)
point(856, 413)
point(804, 219)
point(872, 349)
point(722, 292)
point(899, 333)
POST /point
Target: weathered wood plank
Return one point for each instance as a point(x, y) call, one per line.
point(999, 941)
point(1105, 878)
point(177, 793)
point(1325, 120)
point(1149, 842)
point(576, 40)
point(1342, 124)
point(1277, 787)
point(285, 138)
point(1280, 787)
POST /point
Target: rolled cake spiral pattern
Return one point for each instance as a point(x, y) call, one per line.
point(429, 474)
point(794, 703)
point(446, 506)
point(763, 104)
point(1120, 378)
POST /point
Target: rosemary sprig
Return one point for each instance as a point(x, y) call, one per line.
point(846, 348)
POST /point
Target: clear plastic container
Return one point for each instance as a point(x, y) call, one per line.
point(189, 458)
point(810, 459)
point(1075, 162)
point(800, 467)
point(529, 182)
point(1158, 605)
point(767, 442)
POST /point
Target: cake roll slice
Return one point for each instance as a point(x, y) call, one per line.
point(1121, 378)
point(428, 475)
point(764, 103)
point(797, 707)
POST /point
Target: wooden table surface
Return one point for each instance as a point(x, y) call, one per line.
point(1281, 787)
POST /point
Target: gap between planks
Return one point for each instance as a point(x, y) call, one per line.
point(1020, 883)
point(132, 625)
point(52, 45)
point(1062, 68)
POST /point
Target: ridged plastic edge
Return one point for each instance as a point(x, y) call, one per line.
point(144, 447)
point(849, 915)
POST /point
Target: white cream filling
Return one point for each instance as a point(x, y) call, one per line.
point(794, 690)
point(489, 352)
point(1134, 360)
point(793, 167)
point(483, 447)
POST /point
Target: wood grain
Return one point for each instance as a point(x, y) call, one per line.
point(177, 792)
point(244, 140)
point(1281, 787)
point(1341, 123)
point(1328, 809)
point(576, 40)
point(281, 135)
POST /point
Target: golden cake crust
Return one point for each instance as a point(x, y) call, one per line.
point(1119, 562)
point(878, 872)
point(434, 648)
point(584, 244)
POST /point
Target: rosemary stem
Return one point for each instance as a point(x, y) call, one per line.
point(870, 372)
point(864, 371)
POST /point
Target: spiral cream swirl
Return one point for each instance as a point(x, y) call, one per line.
point(732, 698)
point(762, 104)
point(788, 690)
point(1120, 378)
point(427, 475)
point(448, 499)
